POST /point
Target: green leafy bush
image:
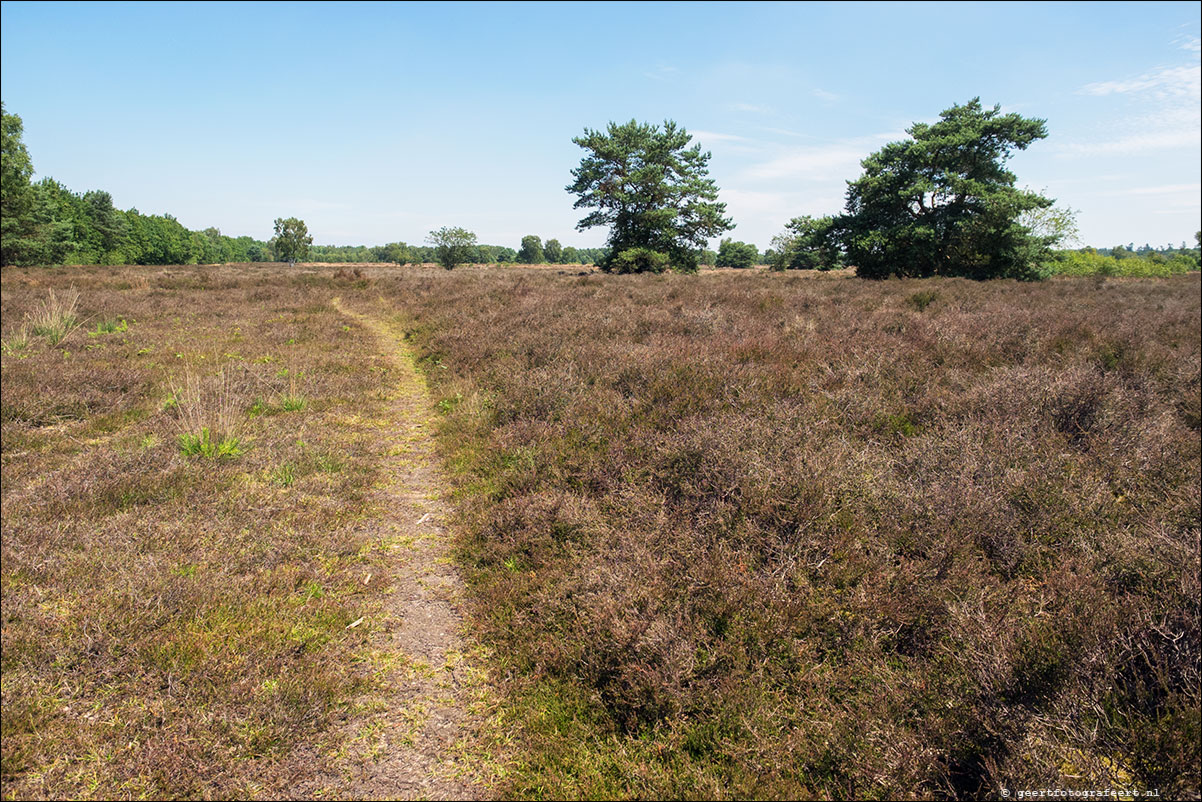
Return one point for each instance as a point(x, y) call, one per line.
point(638, 260)
point(205, 444)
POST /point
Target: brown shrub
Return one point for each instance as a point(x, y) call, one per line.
point(766, 537)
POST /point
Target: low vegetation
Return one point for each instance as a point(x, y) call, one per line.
point(771, 537)
point(732, 535)
point(179, 573)
point(55, 317)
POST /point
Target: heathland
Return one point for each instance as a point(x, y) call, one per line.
point(732, 535)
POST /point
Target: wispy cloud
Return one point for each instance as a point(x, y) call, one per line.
point(1171, 198)
point(816, 162)
point(1135, 143)
point(1161, 110)
point(822, 94)
point(302, 205)
point(663, 72)
point(1165, 189)
point(713, 136)
point(1170, 82)
point(783, 131)
point(776, 208)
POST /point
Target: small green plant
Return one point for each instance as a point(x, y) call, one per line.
point(208, 410)
point(171, 402)
point(327, 463)
point(17, 341)
point(285, 475)
point(921, 300)
point(293, 403)
point(209, 446)
point(901, 423)
point(447, 404)
point(109, 327)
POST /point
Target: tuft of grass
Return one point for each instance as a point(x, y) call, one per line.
point(207, 409)
point(293, 403)
point(329, 463)
point(17, 341)
point(56, 316)
point(284, 475)
point(446, 405)
point(110, 327)
point(206, 444)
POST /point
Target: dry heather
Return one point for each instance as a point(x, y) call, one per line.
point(728, 535)
point(743, 536)
point(179, 625)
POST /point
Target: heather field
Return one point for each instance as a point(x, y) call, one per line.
point(732, 535)
point(197, 560)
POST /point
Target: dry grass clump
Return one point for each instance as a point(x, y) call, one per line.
point(175, 627)
point(56, 316)
point(209, 411)
point(17, 340)
point(756, 536)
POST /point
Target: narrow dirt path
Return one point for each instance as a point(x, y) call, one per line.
point(418, 739)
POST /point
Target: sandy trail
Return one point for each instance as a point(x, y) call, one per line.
point(417, 744)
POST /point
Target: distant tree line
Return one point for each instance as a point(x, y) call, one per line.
point(1127, 260)
point(44, 222)
point(402, 253)
point(938, 203)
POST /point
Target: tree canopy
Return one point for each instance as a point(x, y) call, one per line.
point(651, 189)
point(292, 239)
point(806, 244)
point(736, 254)
point(452, 246)
point(16, 168)
point(943, 203)
point(531, 252)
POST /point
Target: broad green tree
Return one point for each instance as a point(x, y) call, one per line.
point(108, 228)
point(553, 251)
point(292, 240)
point(942, 202)
point(452, 246)
point(806, 244)
point(736, 254)
point(16, 194)
point(531, 252)
point(650, 187)
point(396, 252)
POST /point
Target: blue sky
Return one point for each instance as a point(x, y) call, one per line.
point(378, 122)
